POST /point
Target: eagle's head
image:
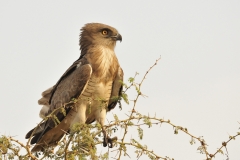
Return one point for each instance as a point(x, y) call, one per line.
point(98, 34)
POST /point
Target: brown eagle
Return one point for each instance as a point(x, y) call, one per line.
point(95, 75)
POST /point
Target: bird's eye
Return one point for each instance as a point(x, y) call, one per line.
point(104, 32)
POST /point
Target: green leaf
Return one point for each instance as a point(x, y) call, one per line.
point(56, 120)
point(220, 151)
point(63, 111)
point(175, 131)
point(140, 133)
point(116, 118)
point(104, 156)
point(125, 98)
point(137, 89)
point(130, 123)
point(124, 84)
point(147, 121)
point(192, 141)
point(131, 80)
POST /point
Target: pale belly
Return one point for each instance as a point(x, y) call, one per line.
point(92, 103)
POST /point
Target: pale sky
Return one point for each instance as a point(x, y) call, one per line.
point(196, 84)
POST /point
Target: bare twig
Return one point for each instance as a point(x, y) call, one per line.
point(26, 147)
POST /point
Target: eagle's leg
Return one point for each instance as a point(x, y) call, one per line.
point(106, 140)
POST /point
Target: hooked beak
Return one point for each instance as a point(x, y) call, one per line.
point(118, 37)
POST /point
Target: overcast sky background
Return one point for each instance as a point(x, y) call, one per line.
point(196, 84)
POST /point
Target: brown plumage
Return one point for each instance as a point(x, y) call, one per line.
point(96, 74)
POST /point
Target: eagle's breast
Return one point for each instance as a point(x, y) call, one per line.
point(104, 63)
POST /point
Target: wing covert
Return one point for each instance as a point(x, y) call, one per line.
point(116, 89)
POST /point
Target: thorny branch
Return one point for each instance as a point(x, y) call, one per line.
point(82, 143)
point(138, 88)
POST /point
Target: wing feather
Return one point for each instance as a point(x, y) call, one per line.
point(116, 89)
point(70, 85)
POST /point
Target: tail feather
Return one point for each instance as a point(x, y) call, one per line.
point(38, 129)
point(50, 136)
point(39, 135)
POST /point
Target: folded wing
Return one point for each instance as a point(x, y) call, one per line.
point(70, 85)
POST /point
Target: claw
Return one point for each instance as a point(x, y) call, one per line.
point(107, 140)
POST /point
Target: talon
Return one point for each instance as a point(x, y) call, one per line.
point(107, 140)
point(110, 143)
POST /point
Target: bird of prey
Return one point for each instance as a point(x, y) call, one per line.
point(95, 75)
